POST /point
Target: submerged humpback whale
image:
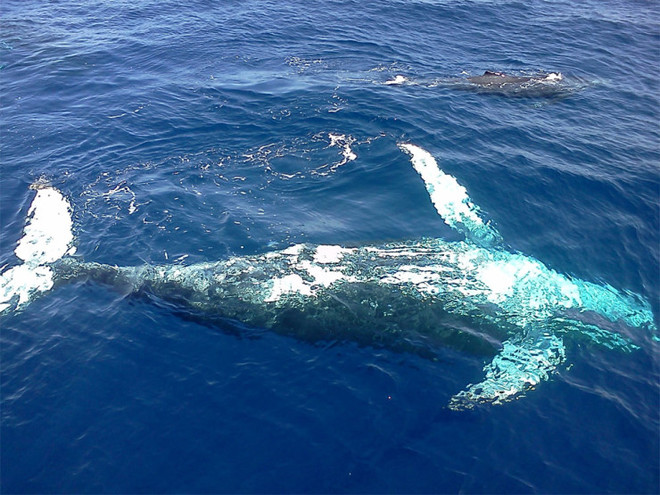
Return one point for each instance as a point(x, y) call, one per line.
point(500, 79)
point(472, 294)
point(541, 85)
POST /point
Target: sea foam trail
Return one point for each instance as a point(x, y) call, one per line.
point(344, 142)
point(450, 199)
point(47, 236)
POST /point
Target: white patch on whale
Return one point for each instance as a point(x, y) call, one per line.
point(47, 236)
point(330, 254)
point(293, 250)
point(286, 285)
point(22, 282)
point(398, 80)
point(294, 283)
point(504, 278)
point(554, 76)
point(49, 231)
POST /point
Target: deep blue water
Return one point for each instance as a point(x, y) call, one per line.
point(191, 132)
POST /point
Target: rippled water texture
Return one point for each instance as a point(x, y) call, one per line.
point(187, 133)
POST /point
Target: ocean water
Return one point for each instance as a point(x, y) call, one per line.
point(185, 133)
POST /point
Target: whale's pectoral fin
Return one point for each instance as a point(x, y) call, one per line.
point(451, 199)
point(522, 363)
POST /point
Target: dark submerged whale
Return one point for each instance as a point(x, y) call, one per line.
point(547, 85)
point(474, 295)
point(552, 84)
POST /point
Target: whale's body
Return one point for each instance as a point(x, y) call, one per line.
point(501, 80)
point(546, 85)
point(542, 85)
point(411, 296)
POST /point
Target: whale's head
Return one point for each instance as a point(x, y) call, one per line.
point(616, 306)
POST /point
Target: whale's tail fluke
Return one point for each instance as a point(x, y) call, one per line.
point(47, 237)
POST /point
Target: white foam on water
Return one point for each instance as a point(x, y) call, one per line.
point(345, 142)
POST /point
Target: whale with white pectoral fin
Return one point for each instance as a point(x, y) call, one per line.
point(411, 296)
